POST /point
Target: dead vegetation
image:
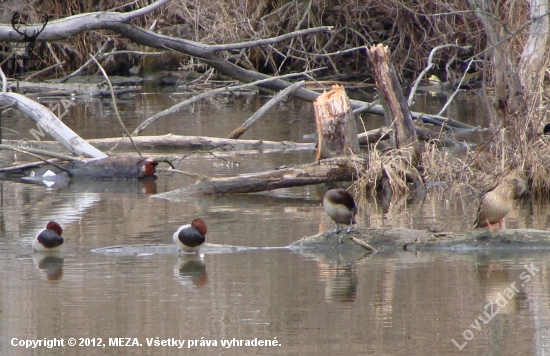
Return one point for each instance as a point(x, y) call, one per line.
point(410, 28)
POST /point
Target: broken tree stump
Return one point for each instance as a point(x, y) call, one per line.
point(336, 126)
point(390, 90)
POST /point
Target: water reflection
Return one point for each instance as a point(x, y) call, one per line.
point(340, 279)
point(191, 270)
point(51, 264)
point(499, 285)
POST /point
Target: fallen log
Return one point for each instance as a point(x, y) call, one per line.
point(338, 169)
point(103, 168)
point(392, 239)
point(170, 141)
point(74, 88)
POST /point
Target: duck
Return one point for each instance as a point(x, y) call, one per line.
point(341, 207)
point(49, 239)
point(496, 203)
point(190, 237)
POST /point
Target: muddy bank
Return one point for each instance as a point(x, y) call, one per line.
point(395, 239)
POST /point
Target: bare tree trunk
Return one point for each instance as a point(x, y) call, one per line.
point(389, 88)
point(517, 85)
point(336, 126)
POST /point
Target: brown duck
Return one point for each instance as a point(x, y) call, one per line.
point(340, 206)
point(498, 202)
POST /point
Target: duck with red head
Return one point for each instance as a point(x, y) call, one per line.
point(191, 237)
point(340, 206)
point(49, 239)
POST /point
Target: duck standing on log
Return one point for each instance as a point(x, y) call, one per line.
point(498, 202)
point(340, 206)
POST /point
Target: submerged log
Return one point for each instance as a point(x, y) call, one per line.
point(338, 169)
point(114, 167)
point(392, 239)
point(108, 168)
point(336, 127)
point(390, 90)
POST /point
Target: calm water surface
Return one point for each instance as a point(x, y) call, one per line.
point(385, 304)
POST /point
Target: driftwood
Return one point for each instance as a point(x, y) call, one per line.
point(390, 90)
point(336, 127)
point(71, 88)
point(48, 122)
point(239, 131)
point(170, 141)
point(336, 169)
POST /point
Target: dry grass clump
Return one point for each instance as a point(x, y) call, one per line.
point(392, 171)
point(468, 171)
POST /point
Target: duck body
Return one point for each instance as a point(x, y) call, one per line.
point(341, 207)
point(191, 237)
point(498, 202)
point(49, 239)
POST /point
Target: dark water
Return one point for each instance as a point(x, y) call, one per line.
point(387, 304)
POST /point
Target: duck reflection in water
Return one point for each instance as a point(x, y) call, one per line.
point(499, 285)
point(51, 264)
point(191, 270)
point(341, 281)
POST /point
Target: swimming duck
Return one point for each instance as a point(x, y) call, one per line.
point(498, 202)
point(190, 237)
point(340, 206)
point(48, 239)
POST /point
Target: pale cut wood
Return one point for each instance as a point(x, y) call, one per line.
point(389, 88)
point(48, 123)
point(336, 127)
point(338, 169)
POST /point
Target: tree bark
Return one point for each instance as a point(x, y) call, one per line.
point(389, 88)
point(336, 126)
point(517, 88)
